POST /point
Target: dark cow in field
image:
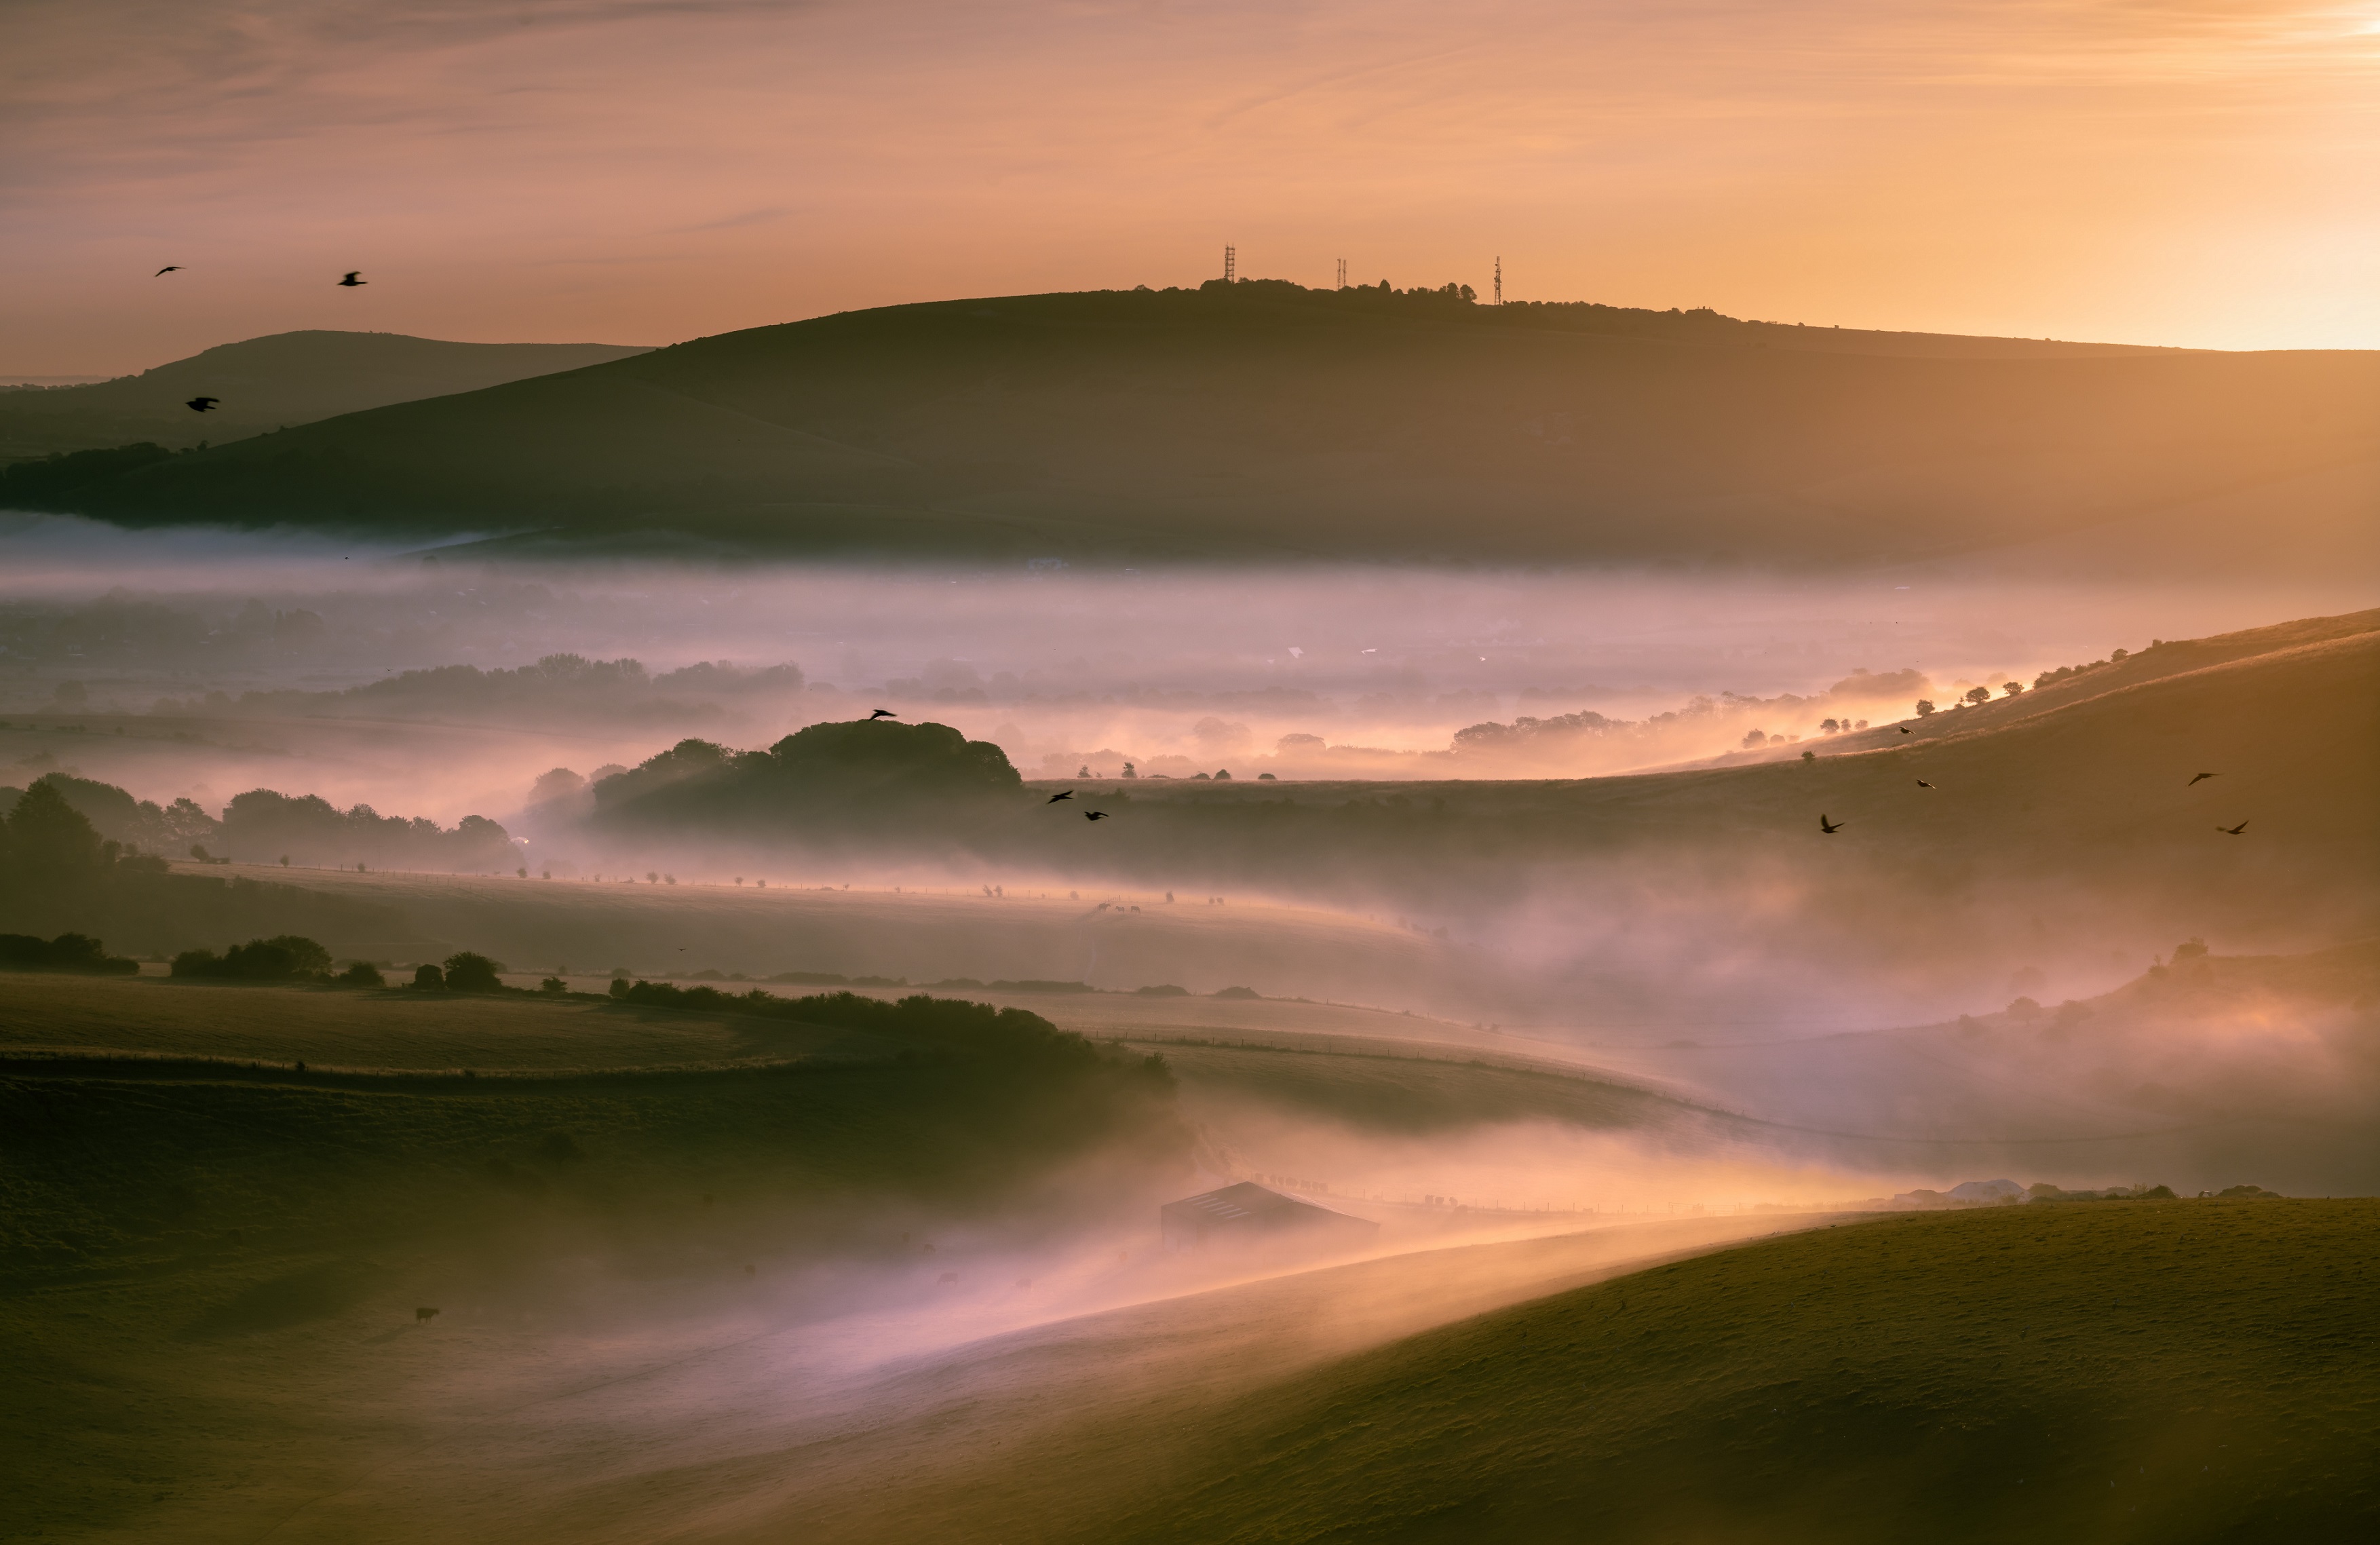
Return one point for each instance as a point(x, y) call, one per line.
point(423, 1317)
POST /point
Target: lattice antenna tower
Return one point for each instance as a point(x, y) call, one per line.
point(1230, 264)
point(1342, 274)
point(1500, 281)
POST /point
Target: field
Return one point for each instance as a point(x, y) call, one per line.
point(723, 1278)
point(2187, 1371)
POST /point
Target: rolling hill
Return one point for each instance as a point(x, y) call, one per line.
point(1265, 420)
point(284, 378)
point(2187, 1371)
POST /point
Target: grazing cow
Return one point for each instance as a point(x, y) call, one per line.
point(423, 1317)
point(948, 1277)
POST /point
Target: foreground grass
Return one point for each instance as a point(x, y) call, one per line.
point(2192, 1370)
point(207, 1269)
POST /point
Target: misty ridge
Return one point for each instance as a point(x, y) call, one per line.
point(1260, 421)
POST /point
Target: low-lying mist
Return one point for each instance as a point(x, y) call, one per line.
point(273, 662)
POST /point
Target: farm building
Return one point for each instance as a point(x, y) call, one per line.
point(1247, 1213)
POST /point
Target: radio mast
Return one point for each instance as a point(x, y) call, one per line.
point(1500, 281)
point(1230, 262)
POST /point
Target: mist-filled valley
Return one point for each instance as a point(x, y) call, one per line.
point(1234, 912)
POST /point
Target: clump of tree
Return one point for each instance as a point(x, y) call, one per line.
point(47, 846)
point(1013, 1036)
point(2065, 672)
point(67, 952)
point(287, 957)
point(838, 772)
point(313, 830)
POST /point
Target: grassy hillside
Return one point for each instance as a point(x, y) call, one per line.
point(192, 1253)
point(335, 1030)
point(284, 378)
point(2188, 1371)
point(1267, 420)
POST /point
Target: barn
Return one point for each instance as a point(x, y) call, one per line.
point(1250, 1213)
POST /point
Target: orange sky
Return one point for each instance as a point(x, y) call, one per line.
point(2202, 172)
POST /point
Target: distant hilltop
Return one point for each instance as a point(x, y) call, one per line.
point(1263, 420)
point(263, 383)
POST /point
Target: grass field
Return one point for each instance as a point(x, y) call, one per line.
point(2190, 1370)
point(199, 1257)
point(334, 1029)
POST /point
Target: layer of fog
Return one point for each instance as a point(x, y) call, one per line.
point(1307, 673)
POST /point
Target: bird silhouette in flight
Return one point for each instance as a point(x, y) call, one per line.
point(1830, 827)
point(1902, 728)
point(1067, 795)
point(2233, 831)
point(2200, 779)
point(1095, 815)
point(1923, 783)
point(351, 282)
point(202, 405)
point(169, 268)
point(882, 713)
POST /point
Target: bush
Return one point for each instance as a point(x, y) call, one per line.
point(1238, 992)
point(553, 986)
point(67, 952)
point(467, 972)
point(363, 973)
point(280, 958)
point(429, 977)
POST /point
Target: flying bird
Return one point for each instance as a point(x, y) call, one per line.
point(1830, 827)
point(350, 282)
point(882, 713)
point(169, 268)
point(202, 405)
point(1095, 815)
point(2234, 830)
point(1902, 728)
point(1923, 783)
point(1067, 795)
point(2200, 779)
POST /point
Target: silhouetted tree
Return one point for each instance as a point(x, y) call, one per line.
point(426, 975)
point(276, 959)
point(67, 952)
point(1924, 707)
point(363, 973)
point(468, 972)
point(1979, 694)
point(50, 841)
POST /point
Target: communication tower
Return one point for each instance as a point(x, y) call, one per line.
point(1342, 274)
point(1230, 262)
point(1500, 281)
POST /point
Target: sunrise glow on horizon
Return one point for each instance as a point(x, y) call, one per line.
point(2187, 174)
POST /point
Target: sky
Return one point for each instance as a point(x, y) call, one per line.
point(2193, 172)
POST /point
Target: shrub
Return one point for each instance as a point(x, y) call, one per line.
point(276, 959)
point(467, 972)
point(428, 976)
point(553, 986)
point(67, 952)
point(362, 973)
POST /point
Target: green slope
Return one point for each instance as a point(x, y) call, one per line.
point(284, 378)
point(2193, 1370)
point(1264, 420)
